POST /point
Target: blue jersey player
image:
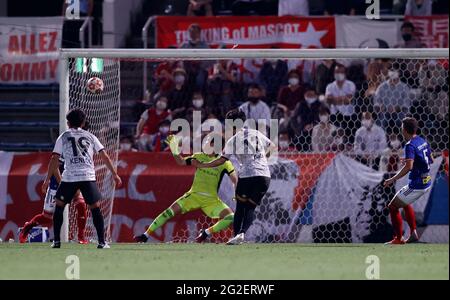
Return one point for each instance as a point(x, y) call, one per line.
point(417, 163)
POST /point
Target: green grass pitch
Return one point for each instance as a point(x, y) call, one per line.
point(217, 261)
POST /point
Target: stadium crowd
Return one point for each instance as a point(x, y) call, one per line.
point(321, 106)
point(328, 105)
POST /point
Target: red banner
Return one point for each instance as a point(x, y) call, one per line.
point(250, 32)
point(432, 30)
point(152, 181)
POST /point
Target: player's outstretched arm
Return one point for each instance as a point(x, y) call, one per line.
point(173, 142)
point(180, 160)
point(406, 168)
point(107, 161)
point(52, 169)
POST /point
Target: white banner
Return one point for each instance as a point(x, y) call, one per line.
point(29, 50)
point(338, 196)
point(352, 32)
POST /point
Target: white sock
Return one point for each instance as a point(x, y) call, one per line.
point(146, 234)
point(207, 231)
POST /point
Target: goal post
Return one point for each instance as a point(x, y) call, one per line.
point(103, 112)
point(103, 117)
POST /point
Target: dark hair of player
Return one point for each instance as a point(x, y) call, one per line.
point(236, 114)
point(410, 125)
point(76, 117)
point(87, 125)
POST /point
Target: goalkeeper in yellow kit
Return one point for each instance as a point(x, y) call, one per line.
point(202, 194)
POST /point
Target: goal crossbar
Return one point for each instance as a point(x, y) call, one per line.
point(214, 54)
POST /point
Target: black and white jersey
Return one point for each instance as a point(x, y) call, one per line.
point(78, 146)
point(249, 146)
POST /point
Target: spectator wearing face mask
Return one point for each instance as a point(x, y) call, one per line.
point(149, 122)
point(157, 140)
point(419, 8)
point(305, 116)
point(292, 94)
point(127, 144)
point(180, 96)
point(255, 108)
point(284, 143)
point(409, 37)
point(322, 133)
point(370, 141)
point(392, 101)
point(196, 107)
point(339, 95)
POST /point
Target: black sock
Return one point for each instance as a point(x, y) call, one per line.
point(58, 218)
point(97, 219)
point(238, 217)
point(248, 218)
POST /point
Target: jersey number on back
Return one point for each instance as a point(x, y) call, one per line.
point(82, 142)
point(425, 156)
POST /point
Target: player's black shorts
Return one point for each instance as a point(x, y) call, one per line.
point(89, 189)
point(253, 188)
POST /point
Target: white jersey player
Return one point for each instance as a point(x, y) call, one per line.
point(78, 147)
point(251, 148)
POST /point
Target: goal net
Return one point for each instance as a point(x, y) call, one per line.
point(338, 116)
point(103, 116)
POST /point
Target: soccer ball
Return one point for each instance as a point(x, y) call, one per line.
point(95, 85)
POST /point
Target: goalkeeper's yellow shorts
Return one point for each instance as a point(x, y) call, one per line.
point(210, 205)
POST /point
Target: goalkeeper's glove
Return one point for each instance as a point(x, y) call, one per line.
point(173, 142)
